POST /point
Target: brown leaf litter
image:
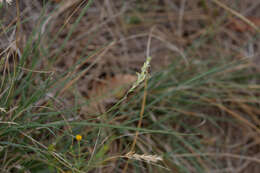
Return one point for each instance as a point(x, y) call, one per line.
point(110, 90)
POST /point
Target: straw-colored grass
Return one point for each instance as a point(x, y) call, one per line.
point(190, 97)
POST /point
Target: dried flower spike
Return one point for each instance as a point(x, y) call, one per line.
point(2, 110)
point(144, 157)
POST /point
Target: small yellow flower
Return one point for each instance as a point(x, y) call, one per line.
point(78, 137)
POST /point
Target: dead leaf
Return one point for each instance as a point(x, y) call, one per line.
point(107, 92)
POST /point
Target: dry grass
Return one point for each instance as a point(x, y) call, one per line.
point(205, 80)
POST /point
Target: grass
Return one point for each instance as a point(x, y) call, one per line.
point(198, 114)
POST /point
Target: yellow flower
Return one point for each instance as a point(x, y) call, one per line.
point(78, 137)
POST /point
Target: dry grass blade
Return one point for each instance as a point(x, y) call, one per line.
point(236, 156)
point(237, 14)
point(234, 114)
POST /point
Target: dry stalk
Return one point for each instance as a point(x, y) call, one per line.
point(237, 15)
